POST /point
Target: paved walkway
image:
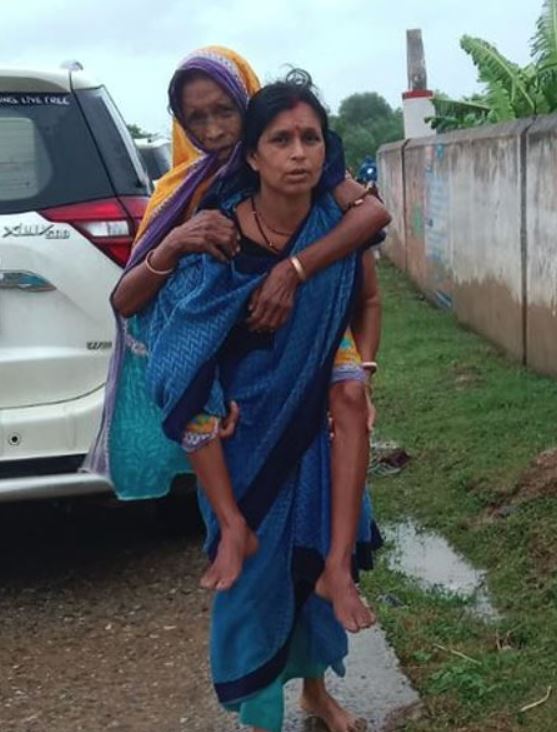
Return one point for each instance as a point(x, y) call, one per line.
point(374, 687)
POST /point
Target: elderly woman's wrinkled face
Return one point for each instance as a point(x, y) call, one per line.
point(291, 151)
point(211, 115)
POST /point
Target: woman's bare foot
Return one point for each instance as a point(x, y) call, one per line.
point(237, 543)
point(337, 586)
point(317, 701)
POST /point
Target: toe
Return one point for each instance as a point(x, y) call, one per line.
point(209, 579)
point(225, 583)
point(365, 619)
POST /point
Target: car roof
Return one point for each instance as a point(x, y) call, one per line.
point(17, 79)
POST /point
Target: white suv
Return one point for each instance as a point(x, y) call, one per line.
point(72, 191)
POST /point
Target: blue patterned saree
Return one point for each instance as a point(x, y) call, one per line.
point(270, 626)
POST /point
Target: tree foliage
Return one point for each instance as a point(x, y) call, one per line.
point(510, 91)
point(136, 132)
point(365, 121)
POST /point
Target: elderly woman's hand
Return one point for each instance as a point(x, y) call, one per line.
point(206, 232)
point(271, 304)
point(229, 423)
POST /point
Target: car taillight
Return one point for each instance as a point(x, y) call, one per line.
point(135, 206)
point(110, 224)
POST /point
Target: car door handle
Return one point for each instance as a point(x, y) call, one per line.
point(28, 281)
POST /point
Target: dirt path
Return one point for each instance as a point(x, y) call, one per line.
point(102, 627)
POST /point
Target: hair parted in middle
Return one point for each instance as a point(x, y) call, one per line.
point(280, 96)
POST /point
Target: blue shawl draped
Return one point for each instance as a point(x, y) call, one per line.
point(199, 356)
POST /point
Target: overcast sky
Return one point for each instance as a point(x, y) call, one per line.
point(348, 46)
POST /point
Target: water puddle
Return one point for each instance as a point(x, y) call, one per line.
point(431, 560)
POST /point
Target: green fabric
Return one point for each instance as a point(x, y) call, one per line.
point(265, 709)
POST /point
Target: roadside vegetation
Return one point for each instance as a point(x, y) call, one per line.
point(366, 121)
point(475, 425)
point(510, 91)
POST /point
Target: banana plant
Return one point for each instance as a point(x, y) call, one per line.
point(511, 91)
point(497, 73)
point(451, 114)
point(544, 53)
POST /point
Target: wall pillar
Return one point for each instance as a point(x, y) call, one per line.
point(416, 108)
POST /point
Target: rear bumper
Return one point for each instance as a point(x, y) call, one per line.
point(50, 430)
point(52, 486)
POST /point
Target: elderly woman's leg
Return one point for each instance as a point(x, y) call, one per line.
point(237, 540)
point(350, 454)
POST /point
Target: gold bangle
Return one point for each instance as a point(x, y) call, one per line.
point(154, 270)
point(300, 271)
point(358, 201)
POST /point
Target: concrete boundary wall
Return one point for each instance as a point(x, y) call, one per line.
point(391, 173)
point(540, 224)
point(475, 227)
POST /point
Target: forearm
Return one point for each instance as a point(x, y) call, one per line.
point(366, 323)
point(359, 225)
point(139, 286)
point(366, 328)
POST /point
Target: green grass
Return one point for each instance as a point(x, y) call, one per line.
point(472, 420)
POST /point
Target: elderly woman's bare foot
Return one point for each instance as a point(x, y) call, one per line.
point(337, 586)
point(237, 543)
point(317, 701)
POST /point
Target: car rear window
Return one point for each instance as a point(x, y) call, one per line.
point(125, 167)
point(47, 155)
point(157, 159)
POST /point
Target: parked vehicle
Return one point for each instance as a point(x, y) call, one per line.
point(72, 191)
point(156, 154)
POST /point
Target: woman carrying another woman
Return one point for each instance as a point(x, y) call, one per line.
point(131, 447)
point(274, 623)
point(208, 95)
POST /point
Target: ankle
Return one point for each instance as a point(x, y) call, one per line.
point(233, 523)
point(313, 687)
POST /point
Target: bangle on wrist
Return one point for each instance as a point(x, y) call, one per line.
point(300, 271)
point(357, 201)
point(370, 366)
point(154, 270)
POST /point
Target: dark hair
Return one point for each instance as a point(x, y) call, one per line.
point(278, 97)
point(262, 109)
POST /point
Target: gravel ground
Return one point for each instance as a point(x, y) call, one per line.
point(102, 625)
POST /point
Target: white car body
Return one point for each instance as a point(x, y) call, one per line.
point(56, 324)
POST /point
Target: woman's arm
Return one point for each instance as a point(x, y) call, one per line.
point(366, 323)
point(272, 302)
point(207, 231)
point(359, 225)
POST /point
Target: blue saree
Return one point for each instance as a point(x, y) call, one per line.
point(199, 355)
